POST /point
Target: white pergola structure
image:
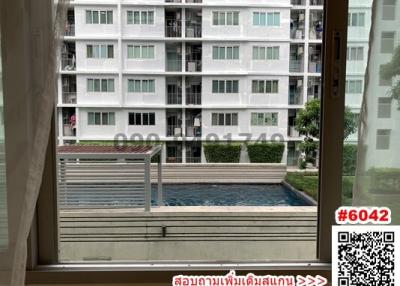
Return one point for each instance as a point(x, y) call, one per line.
point(107, 176)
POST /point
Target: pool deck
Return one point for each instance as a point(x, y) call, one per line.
point(202, 209)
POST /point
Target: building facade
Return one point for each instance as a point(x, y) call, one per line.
point(185, 72)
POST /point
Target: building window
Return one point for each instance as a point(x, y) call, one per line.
point(387, 42)
point(356, 19)
point(140, 17)
point(265, 86)
point(265, 53)
point(384, 107)
point(141, 85)
point(101, 118)
point(226, 53)
point(225, 18)
point(225, 86)
point(354, 86)
point(264, 119)
point(100, 85)
point(224, 119)
point(271, 19)
point(100, 51)
point(355, 53)
point(383, 139)
point(99, 17)
point(139, 118)
point(141, 52)
point(388, 9)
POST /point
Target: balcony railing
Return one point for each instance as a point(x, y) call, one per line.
point(193, 30)
point(69, 97)
point(193, 131)
point(68, 130)
point(68, 64)
point(173, 1)
point(174, 130)
point(293, 132)
point(70, 30)
point(296, 98)
point(173, 28)
point(174, 98)
point(193, 98)
point(193, 65)
point(316, 33)
point(296, 66)
point(194, 1)
point(174, 65)
point(314, 67)
point(297, 34)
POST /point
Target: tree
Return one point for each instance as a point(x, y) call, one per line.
point(390, 70)
point(307, 123)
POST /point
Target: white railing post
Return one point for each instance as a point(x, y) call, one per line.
point(159, 180)
point(147, 183)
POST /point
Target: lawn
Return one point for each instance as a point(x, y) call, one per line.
point(308, 183)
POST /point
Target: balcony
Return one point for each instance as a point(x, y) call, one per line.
point(316, 25)
point(68, 89)
point(173, 22)
point(173, 28)
point(292, 132)
point(193, 23)
point(315, 59)
point(69, 97)
point(174, 58)
point(296, 58)
point(296, 66)
point(193, 123)
point(193, 58)
point(70, 26)
point(314, 88)
point(193, 66)
point(297, 24)
point(193, 98)
point(174, 123)
point(193, 152)
point(174, 152)
point(70, 30)
point(174, 90)
point(69, 122)
point(194, 1)
point(68, 56)
point(296, 90)
point(193, 30)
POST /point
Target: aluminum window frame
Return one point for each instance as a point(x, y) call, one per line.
point(43, 263)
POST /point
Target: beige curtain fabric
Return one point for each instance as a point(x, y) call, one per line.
point(43, 93)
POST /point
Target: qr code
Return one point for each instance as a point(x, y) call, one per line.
point(365, 258)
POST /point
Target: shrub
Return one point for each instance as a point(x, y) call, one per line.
point(222, 153)
point(349, 159)
point(384, 180)
point(265, 152)
point(347, 190)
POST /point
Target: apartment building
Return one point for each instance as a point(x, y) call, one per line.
point(381, 139)
point(187, 72)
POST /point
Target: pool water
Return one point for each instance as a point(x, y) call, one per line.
point(228, 195)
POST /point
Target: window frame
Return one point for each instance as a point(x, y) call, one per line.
point(43, 265)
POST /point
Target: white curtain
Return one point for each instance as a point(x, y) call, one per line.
point(378, 164)
point(41, 95)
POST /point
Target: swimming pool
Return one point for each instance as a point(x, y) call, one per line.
point(228, 195)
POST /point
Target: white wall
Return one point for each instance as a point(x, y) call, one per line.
point(97, 98)
point(96, 65)
point(83, 29)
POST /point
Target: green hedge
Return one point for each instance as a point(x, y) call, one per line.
point(222, 153)
point(266, 152)
point(384, 180)
point(349, 159)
